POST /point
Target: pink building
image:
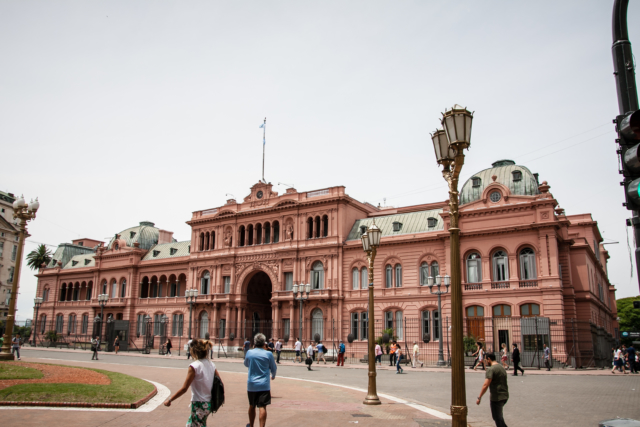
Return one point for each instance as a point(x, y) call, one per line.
point(531, 273)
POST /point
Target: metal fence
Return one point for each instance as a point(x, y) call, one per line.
point(573, 343)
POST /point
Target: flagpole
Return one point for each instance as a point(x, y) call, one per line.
point(264, 132)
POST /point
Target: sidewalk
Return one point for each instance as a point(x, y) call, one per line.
point(294, 402)
point(384, 367)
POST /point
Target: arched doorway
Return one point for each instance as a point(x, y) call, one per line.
point(258, 314)
point(317, 325)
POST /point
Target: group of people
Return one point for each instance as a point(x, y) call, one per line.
point(202, 372)
point(481, 358)
point(625, 358)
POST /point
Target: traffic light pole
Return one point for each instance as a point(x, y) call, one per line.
point(624, 72)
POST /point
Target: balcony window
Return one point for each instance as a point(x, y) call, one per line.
point(388, 277)
point(500, 266)
point(355, 278)
point(528, 264)
point(474, 268)
point(364, 278)
point(317, 276)
point(227, 283)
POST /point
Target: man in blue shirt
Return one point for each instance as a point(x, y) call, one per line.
point(262, 369)
point(341, 354)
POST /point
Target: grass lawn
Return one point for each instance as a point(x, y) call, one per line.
point(123, 389)
point(9, 371)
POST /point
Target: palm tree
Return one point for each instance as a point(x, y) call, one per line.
point(39, 256)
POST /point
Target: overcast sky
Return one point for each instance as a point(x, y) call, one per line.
point(115, 112)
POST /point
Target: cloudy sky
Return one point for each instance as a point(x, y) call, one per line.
point(114, 112)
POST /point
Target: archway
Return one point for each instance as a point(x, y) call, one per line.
point(258, 315)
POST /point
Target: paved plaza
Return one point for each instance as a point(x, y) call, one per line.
point(538, 398)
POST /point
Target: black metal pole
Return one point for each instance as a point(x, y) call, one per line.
point(441, 361)
point(101, 321)
point(35, 330)
point(190, 312)
point(624, 72)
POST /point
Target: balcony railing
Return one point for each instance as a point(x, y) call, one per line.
point(500, 285)
point(528, 284)
point(473, 286)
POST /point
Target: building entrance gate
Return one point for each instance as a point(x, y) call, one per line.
point(118, 328)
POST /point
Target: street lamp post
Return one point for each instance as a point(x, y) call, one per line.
point(24, 212)
point(438, 282)
point(370, 243)
point(38, 302)
point(190, 296)
point(449, 144)
point(303, 289)
point(102, 300)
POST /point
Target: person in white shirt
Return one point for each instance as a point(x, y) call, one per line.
point(416, 353)
point(310, 351)
point(278, 350)
point(298, 349)
point(187, 347)
point(200, 378)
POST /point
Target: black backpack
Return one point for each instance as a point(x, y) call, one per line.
point(217, 394)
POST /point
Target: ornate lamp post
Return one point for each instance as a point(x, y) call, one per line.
point(438, 282)
point(449, 145)
point(190, 296)
point(370, 243)
point(24, 212)
point(303, 289)
point(38, 302)
point(102, 300)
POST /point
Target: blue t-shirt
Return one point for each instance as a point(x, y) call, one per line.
point(342, 348)
point(261, 366)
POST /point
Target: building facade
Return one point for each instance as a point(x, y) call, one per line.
point(8, 251)
point(531, 273)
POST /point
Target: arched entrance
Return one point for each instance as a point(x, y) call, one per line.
point(258, 302)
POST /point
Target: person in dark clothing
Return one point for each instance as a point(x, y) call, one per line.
point(515, 356)
point(631, 353)
point(169, 346)
point(496, 382)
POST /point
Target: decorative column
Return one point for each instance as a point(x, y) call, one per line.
point(228, 319)
point(215, 321)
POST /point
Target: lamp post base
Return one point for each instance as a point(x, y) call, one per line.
point(372, 400)
point(6, 356)
point(441, 363)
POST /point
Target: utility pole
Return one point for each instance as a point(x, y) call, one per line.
point(628, 121)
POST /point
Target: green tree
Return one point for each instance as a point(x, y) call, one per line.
point(39, 256)
point(629, 316)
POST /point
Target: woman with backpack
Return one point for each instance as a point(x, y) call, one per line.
point(200, 375)
point(322, 350)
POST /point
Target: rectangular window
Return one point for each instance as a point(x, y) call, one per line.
point(223, 327)
point(10, 280)
point(288, 281)
point(364, 326)
point(1, 248)
point(425, 323)
point(85, 323)
point(286, 323)
point(436, 325)
point(14, 253)
point(355, 278)
point(399, 325)
point(156, 324)
point(140, 324)
point(364, 277)
point(398, 276)
point(354, 325)
point(388, 320)
point(177, 327)
point(389, 277)
point(227, 284)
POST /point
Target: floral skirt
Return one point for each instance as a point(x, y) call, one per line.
point(199, 413)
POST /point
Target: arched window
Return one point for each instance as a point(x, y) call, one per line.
point(89, 291)
point(154, 287)
point(43, 323)
point(71, 326)
point(250, 234)
point(317, 324)
point(114, 289)
point(104, 288)
point(500, 266)
point(204, 283)
point(424, 274)
point(364, 277)
point(388, 320)
point(355, 278)
point(45, 295)
point(258, 234)
point(204, 324)
point(241, 241)
point(529, 310)
point(59, 323)
point(85, 324)
point(267, 233)
point(527, 264)
point(63, 292)
point(325, 226)
point(475, 322)
point(123, 289)
point(276, 231)
point(398, 276)
point(213, 240)
point(388, 282)
point(201, 246)
point(474, 268)
point(207, 241)
point(309, 228)
point(399, 326)
point(426, 318)
point(76, 291)
point(435, 269)
point(502, 310)
point(317, 275)
point(317, 233)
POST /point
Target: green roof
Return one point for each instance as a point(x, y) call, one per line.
point(146, 234)
point(503, 170)
point(66, 251)
point(414, 222)
point(79, 261)
point(165, 250)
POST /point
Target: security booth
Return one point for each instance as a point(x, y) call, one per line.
point(119, 328)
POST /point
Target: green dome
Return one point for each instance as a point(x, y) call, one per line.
point(523, 183)
point(146, 234)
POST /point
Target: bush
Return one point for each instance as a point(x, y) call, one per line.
point(469, 343)
point(52, 336)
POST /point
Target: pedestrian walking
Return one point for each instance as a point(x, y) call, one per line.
point(170, 346)
point(496, 382)
point(322, 350)
point(503, 356)
point(479, 357)
point(200, 375)
point(95, 343)
point(278, 349)
point(246, 346)
point(399, 356)
point(341, 350)
point(15, 345)
point(515, 356)
point(618, 361)
point(262, 369)
point(392, 353)
point(378, 350)
point(547, 357)
point(309, 360)
point(187, 348)
point(416, 354)
point(298, 348)
point(631, 352)
point(271, 346)
point(116, 344)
